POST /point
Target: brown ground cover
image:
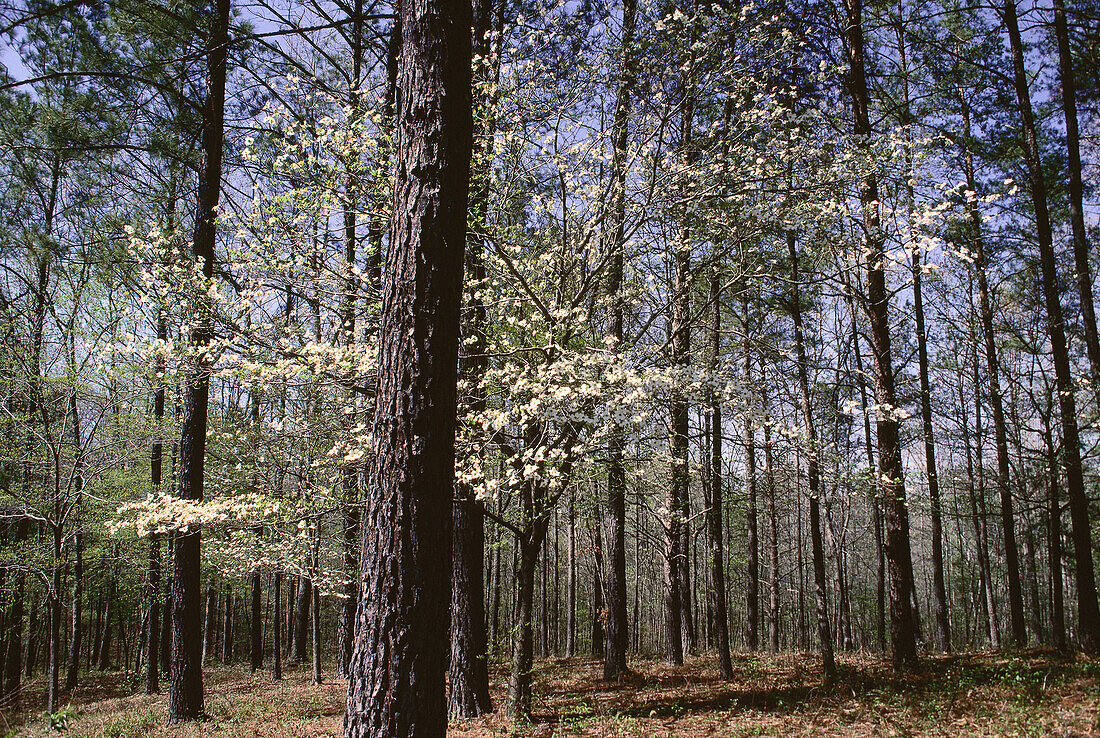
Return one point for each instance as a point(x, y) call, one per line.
point(1028, 694)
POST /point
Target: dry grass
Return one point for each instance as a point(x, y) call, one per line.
point(1032, 693)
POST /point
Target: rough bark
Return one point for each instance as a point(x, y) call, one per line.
point(614, 662)
point(468, 673)
point(899, 561)
point(400, 657)
point(523, 646)
point(185, 694)
point(303, 598)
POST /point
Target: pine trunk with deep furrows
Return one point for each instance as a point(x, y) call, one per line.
point(399, 661)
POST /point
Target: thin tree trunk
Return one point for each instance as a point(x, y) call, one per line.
point(1088, 612)
point(256, 624)
point(752, 607)
point(1054, 522)
point(570, 580)
point(227, 626)
point(152, 633)
point(303, 600)
point(277, 628)
point(315, 633)
point(876, 510)
point(598, 612)
point(523, 647)
point(1008, 529)
point(715, 510)
point(939, 588)
point(1081, 259)
point(469, 672)
point(774, 626)
point(210, 623)
point(73, 668)
point(824, 632)
point(977, 504)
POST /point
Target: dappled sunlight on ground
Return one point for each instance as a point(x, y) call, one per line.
point(1030, 693)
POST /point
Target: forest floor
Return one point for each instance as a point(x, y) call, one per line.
point(1031, 693)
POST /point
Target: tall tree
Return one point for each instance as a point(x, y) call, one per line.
point(615, 624)
point(185, 695)
point(897, 552)
point(824, 631)
point(1088, 613)
point(715, 510)
point(399, 660)
point(1081, 260)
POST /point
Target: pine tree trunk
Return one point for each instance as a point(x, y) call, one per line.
point(277, 628)
point(302, 600)
point(891, 471)
point(185, 692)
point(1081, 259)
point(1088, 612)
point(469, 672)
point(614, 663)
point(716, 512)
point(399, 663)
point(824, 632)
point(256, 624)
point(752, 606)
point(939, 588)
